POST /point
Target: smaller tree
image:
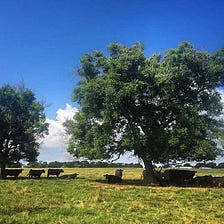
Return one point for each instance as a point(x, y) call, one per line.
point(210, 165)
point(199, 165)
point(187, 165)
point(220, 165)
point(22, 124)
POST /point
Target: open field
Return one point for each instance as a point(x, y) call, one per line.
point(89, 199)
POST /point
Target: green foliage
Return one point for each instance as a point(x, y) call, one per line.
point(220, 165)
point(163, 107)
point(187, 165)
point(22, 124)
point(15, 165)
point(199, 165)
point(209, 165)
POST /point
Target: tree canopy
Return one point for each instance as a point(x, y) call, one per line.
point(163, 107)
point(22, 124)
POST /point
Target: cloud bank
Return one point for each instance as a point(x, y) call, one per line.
point(53, 147)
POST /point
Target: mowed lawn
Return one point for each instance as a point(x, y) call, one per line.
point(89, 199)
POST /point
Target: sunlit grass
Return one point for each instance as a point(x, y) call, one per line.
point(89, 199)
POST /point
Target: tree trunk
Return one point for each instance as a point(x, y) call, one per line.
point(3, 166)
point(148, 175)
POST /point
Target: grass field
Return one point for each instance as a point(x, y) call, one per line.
point(89, 199)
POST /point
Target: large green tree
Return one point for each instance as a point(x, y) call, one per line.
point(22, 124)
point(163, 107)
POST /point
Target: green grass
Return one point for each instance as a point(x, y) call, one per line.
point(89, 199)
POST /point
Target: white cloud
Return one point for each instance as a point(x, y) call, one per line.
point(67, 114)
point(221, 92)
point(53, 147)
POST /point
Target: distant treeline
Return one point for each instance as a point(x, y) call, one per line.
point(197, 165)
point(87, 164)
point(80, 164)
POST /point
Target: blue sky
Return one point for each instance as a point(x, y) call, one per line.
point(41, 41)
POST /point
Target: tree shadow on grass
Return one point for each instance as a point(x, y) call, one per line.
point(126, 182)
point(51, 178)
point(142, 183)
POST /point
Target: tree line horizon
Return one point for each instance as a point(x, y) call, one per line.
point(163, 107)
point(101, 164)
